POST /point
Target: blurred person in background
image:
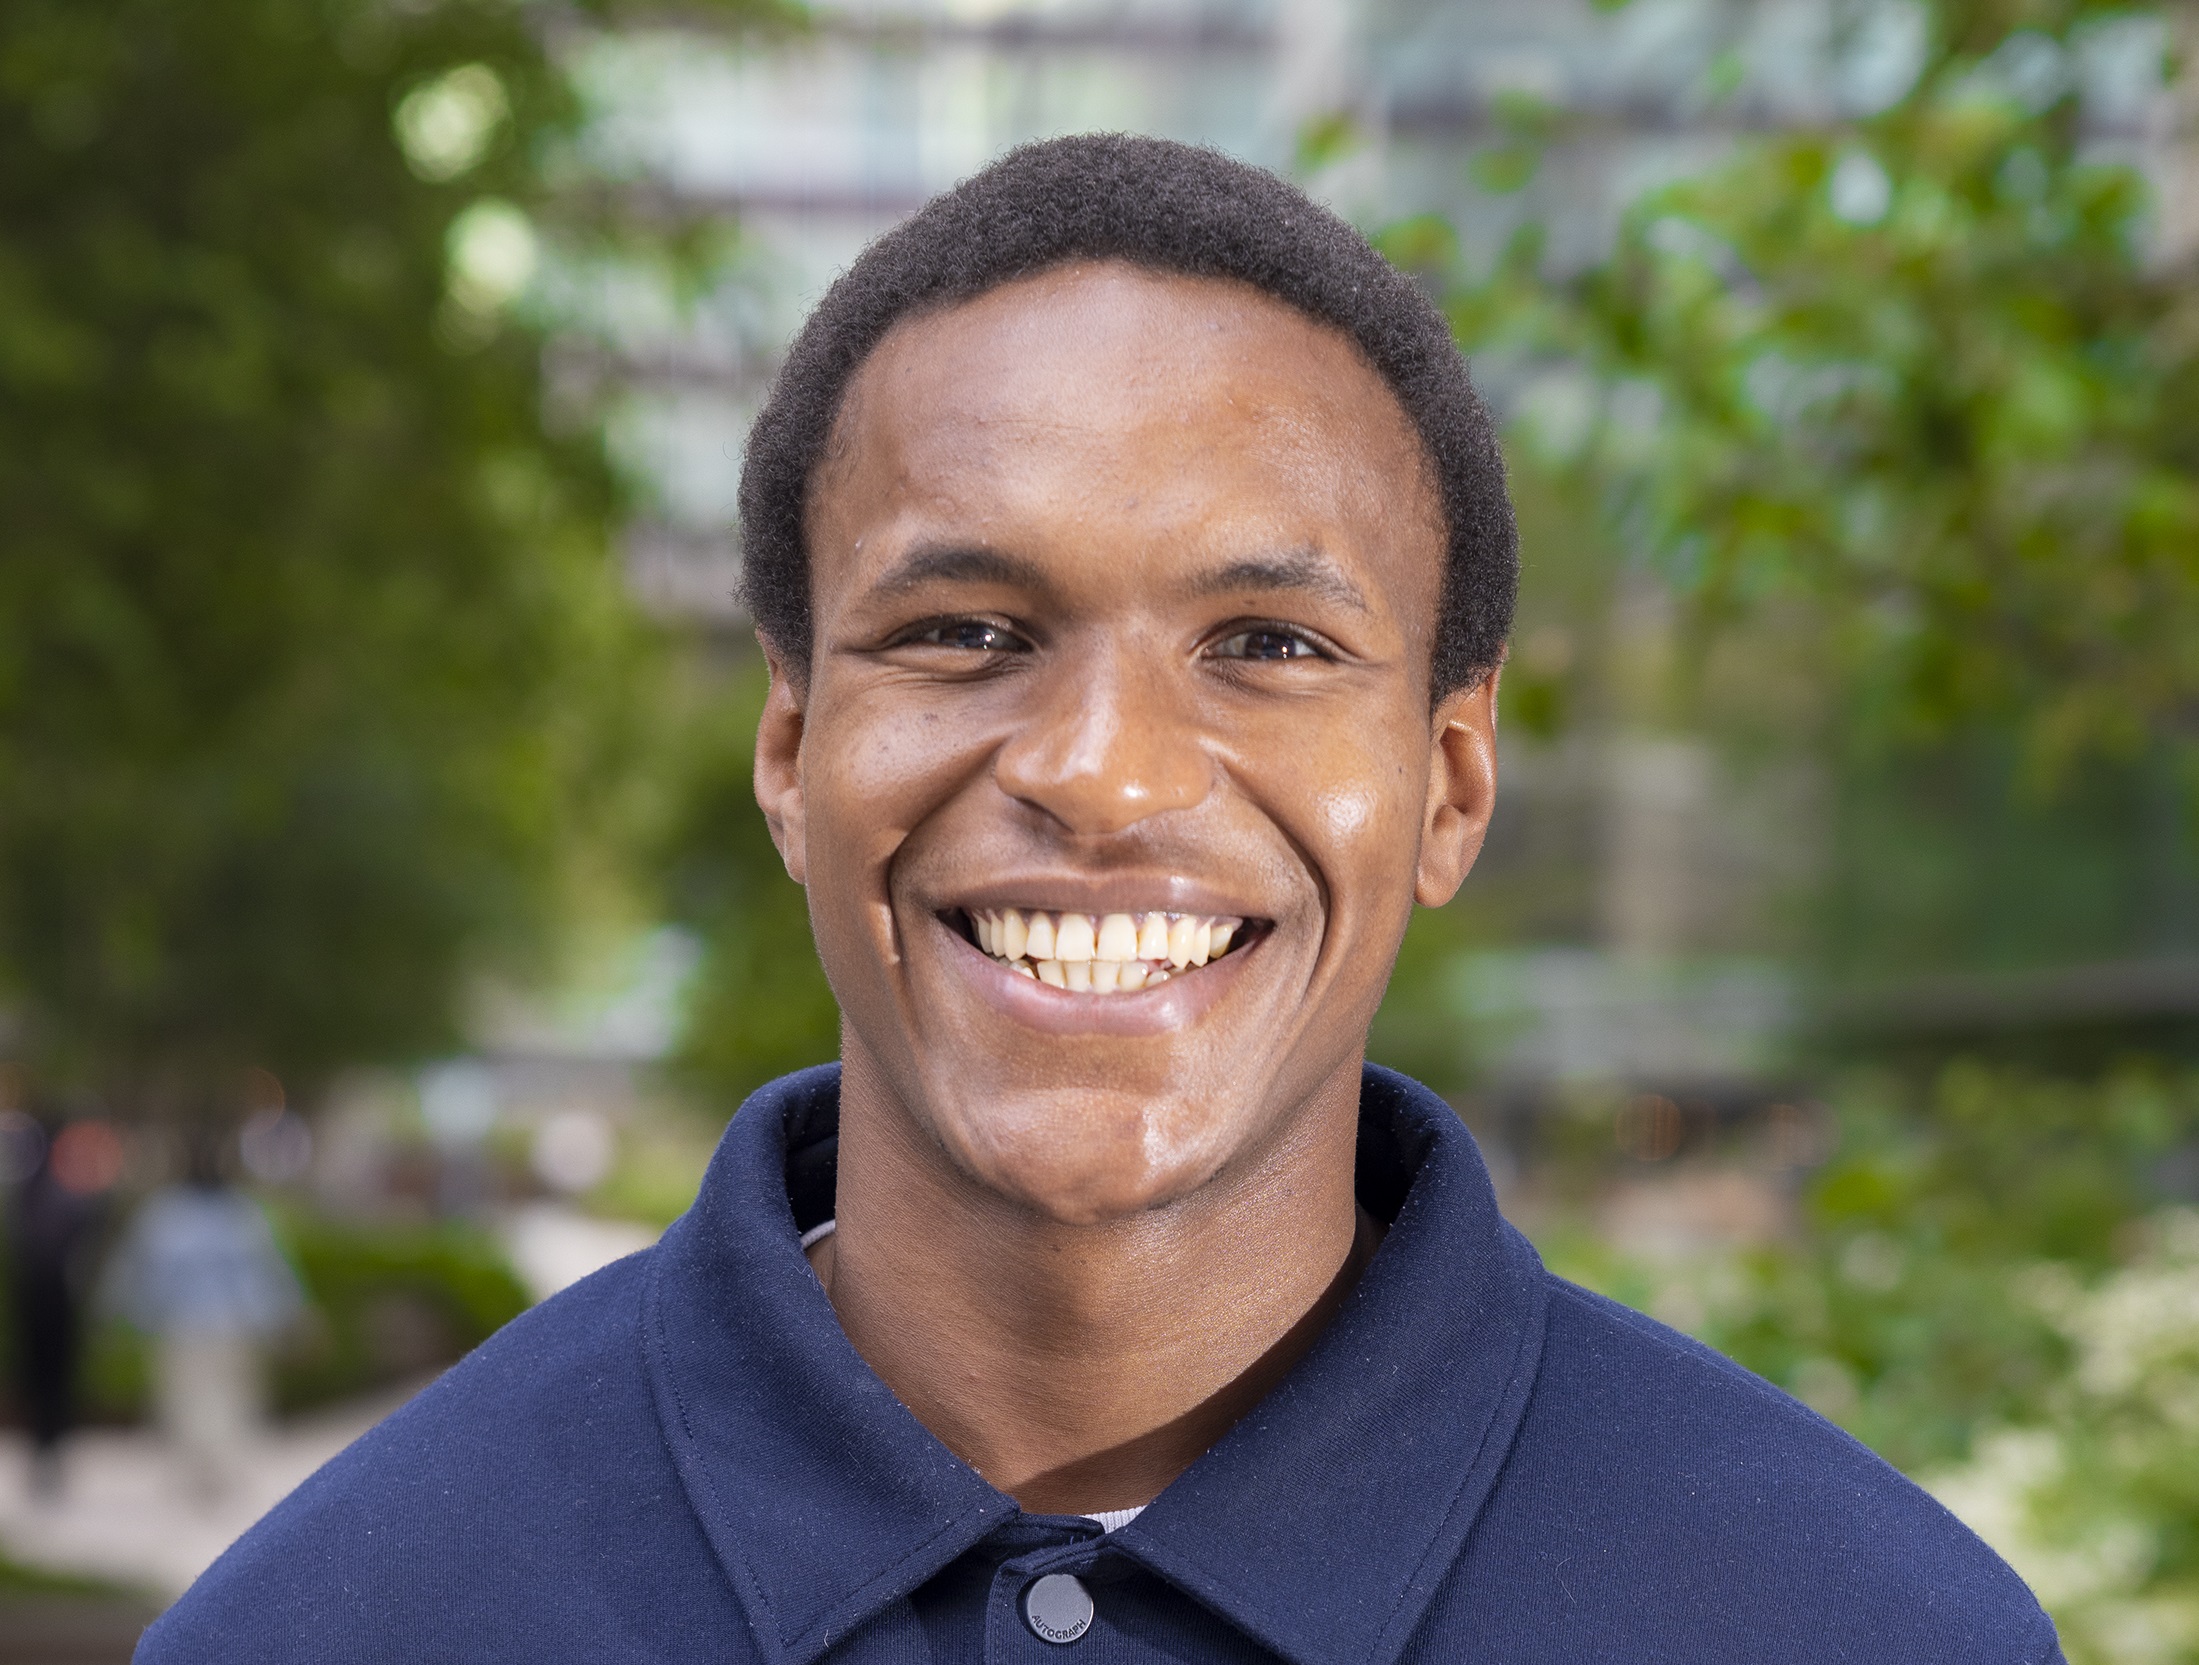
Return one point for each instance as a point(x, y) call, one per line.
point(53, 1224)
point(198, 1270)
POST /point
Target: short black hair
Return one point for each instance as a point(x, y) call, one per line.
point(1170, 208)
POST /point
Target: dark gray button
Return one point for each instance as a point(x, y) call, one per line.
point(1058, 1608)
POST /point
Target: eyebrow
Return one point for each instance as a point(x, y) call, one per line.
point(954, 563)
point(1302, 569)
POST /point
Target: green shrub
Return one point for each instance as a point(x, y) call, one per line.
point(388, 1303)
point(1994, 1289)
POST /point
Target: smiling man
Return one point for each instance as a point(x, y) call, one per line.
point(1133, 561)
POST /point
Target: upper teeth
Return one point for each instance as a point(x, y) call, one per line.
point(1101, 953)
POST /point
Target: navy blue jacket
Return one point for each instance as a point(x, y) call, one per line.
point(682, 1459)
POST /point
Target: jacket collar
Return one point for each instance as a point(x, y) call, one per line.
point(825, 1500)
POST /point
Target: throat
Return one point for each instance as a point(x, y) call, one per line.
point(1071, 1404)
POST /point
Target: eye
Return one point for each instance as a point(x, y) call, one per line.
point(1267, 641)
point(968, 636)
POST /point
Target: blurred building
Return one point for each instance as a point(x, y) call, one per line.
point(816, 143)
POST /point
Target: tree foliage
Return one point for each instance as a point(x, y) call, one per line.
point(307, 626)
point(1925, 367)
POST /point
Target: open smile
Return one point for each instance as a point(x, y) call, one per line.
point(1109, 954)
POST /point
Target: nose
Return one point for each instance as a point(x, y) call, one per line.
point(1100, 748)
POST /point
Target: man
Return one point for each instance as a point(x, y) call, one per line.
point(1134, 564)
point(53, 1224)
point(198, 1271)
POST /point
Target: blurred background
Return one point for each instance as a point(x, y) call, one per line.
point(386, 927)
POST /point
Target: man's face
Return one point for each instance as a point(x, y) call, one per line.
point(1124, 589)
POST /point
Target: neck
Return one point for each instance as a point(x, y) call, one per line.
point(1083, 1367)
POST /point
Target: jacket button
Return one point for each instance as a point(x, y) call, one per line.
point(1058, 1608)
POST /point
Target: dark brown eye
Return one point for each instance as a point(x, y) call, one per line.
point(970, 636)
point(1265, 642)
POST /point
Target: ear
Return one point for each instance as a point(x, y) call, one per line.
point(1462, 790)
point(778, 774)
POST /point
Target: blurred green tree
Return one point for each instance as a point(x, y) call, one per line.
point(1925, 368)
point(312, 653)
point(1903, 408)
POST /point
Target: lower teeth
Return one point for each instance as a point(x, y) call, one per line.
point(1092, 976)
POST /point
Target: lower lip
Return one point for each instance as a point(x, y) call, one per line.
point(1176, 1004)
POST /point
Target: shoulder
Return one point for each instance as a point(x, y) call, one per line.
point(523, 1508)
point(1662, 1503)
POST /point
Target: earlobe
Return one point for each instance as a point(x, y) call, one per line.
point(1462, 790)
point(778, 771)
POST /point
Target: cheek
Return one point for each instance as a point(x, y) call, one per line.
point(1366, 820)
point(1349, 814)
point(876, 765)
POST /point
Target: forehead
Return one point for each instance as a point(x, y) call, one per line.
point(1106, 400)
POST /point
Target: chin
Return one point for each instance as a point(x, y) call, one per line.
point(1081, 1156)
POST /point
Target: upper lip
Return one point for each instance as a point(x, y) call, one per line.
point(1114, 893)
